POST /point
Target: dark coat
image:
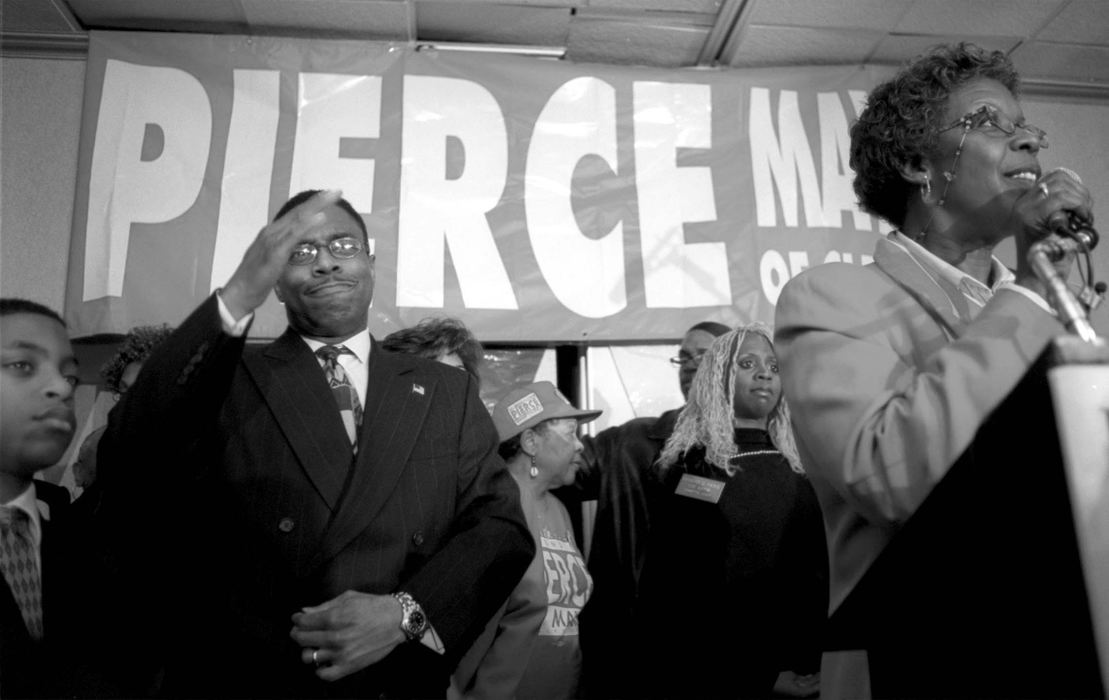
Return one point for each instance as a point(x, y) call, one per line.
point(231, 493)
point(67, 660)
point(735, 591)
point(616, 473)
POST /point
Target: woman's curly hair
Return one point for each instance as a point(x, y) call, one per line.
point(137, 345)
point(433, 337)
point(706, 419)
point(903, 116)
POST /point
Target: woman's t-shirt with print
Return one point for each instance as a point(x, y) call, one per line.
point(555, 663)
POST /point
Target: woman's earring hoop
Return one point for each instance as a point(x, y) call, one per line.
point(926, 190)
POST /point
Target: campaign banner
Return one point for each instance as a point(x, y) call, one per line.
point(535, 200)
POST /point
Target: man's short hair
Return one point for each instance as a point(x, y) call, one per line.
point(302, 197)
point(711, 327)
point(12, 305)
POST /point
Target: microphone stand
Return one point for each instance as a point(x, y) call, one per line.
point(1040, 257)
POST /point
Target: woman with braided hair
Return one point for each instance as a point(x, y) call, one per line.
point(735, 582)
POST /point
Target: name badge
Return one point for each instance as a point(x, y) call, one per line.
point(699, 487)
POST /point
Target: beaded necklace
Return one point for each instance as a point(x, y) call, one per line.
point(754, 453)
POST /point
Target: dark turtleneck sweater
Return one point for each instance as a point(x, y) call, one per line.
point(736, 591)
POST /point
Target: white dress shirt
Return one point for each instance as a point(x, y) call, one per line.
point(356, 365)
point(976, 293)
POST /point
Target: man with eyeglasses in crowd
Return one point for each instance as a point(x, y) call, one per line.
point(329, 518)
point(615, 464)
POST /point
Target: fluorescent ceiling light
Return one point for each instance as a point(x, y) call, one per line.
point(555, 52)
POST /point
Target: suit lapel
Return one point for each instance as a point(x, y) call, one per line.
point(49, 571)
point(940, 299)
point(397, 402)
point(295, 389)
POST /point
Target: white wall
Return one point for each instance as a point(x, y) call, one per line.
point(40, 120)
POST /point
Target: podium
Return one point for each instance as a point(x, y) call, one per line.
point(998, 586)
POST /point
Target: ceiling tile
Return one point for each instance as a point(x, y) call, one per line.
point(843, 14)
point(34, 16)
point(155, 14)
point(797, 46)
point(1078, 64)
point(1081, 21)
point(1054, 41)
point(492, 23)
point(531, 3)
point(599, 40)
point(978, 18)
point(895, 49)
point(708, 7)
point(371, 19)
point(646, 18)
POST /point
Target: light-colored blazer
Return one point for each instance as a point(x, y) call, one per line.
point(889, 379)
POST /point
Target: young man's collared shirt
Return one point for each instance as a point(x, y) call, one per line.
point(37, 511)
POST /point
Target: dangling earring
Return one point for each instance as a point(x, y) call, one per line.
point(926, 197)
point(534, 471)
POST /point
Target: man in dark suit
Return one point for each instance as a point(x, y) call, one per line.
point(315, 516)
point(615, 471)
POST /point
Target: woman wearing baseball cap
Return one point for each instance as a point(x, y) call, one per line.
point(530, 649)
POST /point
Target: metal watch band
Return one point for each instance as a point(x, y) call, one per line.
point(413, 620)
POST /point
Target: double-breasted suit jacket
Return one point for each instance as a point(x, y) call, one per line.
point(230, 482)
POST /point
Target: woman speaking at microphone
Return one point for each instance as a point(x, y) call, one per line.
point(891, 368)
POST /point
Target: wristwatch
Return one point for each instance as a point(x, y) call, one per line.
point(413, 621)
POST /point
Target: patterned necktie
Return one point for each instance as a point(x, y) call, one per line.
point(350, 408)
point(17, 559)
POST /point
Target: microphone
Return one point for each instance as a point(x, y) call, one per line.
point(1076, 227)
point(1078, 230)
point(1073, 233)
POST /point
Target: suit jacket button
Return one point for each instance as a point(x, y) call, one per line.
point(417, 539)
point(286, 525)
